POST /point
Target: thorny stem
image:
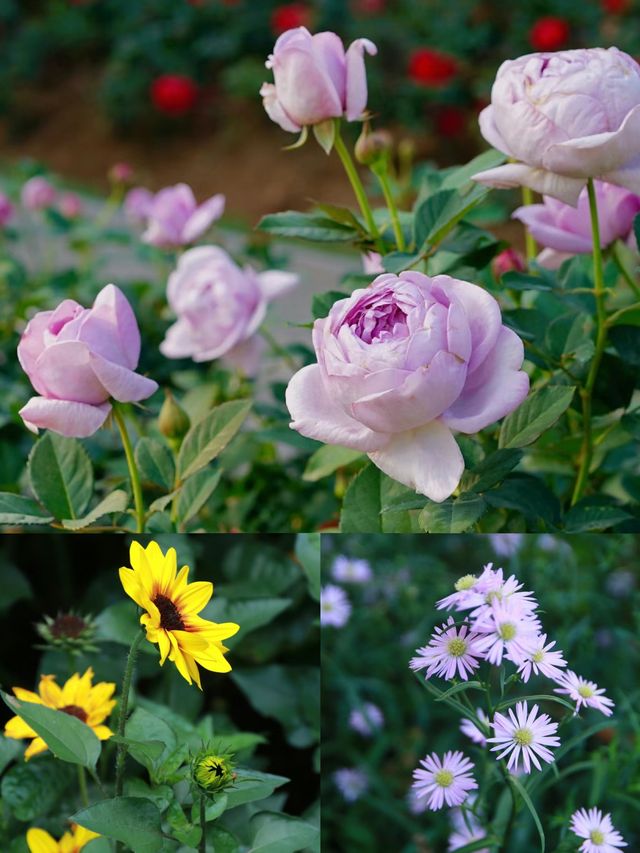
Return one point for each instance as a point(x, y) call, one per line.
point(133, 468)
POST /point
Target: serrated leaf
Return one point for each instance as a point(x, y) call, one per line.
point(307, 226)
point(18, 510)
point(328, 459)
point(61, 475)
point(155, 462)
point(115, 502)
point(491, 470)
point(361, 507)
point(589, 517)
point(536, 414)
point(452, 516)
point(195, 492)
point(135, 821)
point(527, 495)
point(210, 436)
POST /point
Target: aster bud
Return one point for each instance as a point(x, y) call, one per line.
point(373, 146)
point(213, 771)
point(173, 421)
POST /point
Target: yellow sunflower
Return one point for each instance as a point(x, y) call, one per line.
point(78, 697)
point(171, 606)
point(39, 841)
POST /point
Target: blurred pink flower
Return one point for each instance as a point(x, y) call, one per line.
point(70, 205)
point(37, 194)
point(137, 204)
point(584, 693)
point(121, 173)
point(507, 260)
point(175, 219)
point(372, 263)
point(597, 830)
point(6, 210)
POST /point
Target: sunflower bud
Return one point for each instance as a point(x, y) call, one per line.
point(212, 771)
point(173, 421)
point(373, 146)
point(68, 632)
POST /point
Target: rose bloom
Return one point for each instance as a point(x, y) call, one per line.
point(77, 358)
point(137, 204)
point(219, 307)
point(401, 364)
point(174, 218)
point(174, 94)
point(566, 231)
point(315, 79)
point(556, 115)
point(70, 205)
point(37, 194)
point(6, 210)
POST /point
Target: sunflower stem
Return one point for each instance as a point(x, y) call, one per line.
point(121, 752)
point(133, 468)
point(356, 184)
point(202, 848)
point(82, 785)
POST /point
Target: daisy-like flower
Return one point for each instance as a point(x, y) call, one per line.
point(525, 736)
point(478, 594)
point(466, 828)
point(351, 782)
point(507, 628)
point(78, 697)
point(584, 692)
point(171, 606)
point(335, 607)
point(451, 651)
point(367, 719)
point(416, 804)
point(469, 728)
point(506, 544)
point(541, 660)
point(39, 841)
point(347, 570)
point(444, 781)
point(597, 830)
point(464, 591)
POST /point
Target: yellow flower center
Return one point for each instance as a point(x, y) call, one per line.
point(465, 582)
point(596, 836)
point(170, 618)
point(523, 737)
point(444, 778)
point(585, 691)
point(456, 647)
point(507, 631)
point(538, 657)
point(75, 711)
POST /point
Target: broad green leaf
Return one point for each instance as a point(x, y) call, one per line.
point(491, 470)
point(529, 804)
point(119, 623)
point(308, 554)
point(148, 732)
point(527, 495)
point(513, 280)
point(14, 587)
point(274, 832)
point(307, 226)
point(210, 436)
point(452, 516)
point(251, 785)
point(32, 789)
point(537, 413)
point(61, 475)
point(362, 505)
point(9, 749)
point(115, 502)
point(68, 738)
point(397, 262)
point(18, 510)
point(460, 176)
point(584, 517)
point(222, 840)
point(155, 463)
point(196, 491)
point(626, 341)
point(182, 828)
point(250, 614)
point(343, 215)
point(327, 459)
point(135, 821)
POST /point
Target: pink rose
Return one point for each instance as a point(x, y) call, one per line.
point(219, 307)
point(37, 194)
point(401, 364)
point(77, 358)
point(314, 79)
point(506, 261)
point(70, 205)
point(566, 230)
point(372, 263)
point(137, 205)
point(565, 117)
point(6, 210)
point(175, 218)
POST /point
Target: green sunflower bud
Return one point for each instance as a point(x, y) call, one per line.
point(212, 771)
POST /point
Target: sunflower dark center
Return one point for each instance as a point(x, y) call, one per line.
point(75, 711)
point(68, 625)
point(170, 618)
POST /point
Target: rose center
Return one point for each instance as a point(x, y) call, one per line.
point(465, 582)
point(379, 321)
point(523, 737)
point(585, 692)
point(75, 711)
point(507, 631)
point(170, 618)
point(596, 836)
point(456, 647)
point(443, 778)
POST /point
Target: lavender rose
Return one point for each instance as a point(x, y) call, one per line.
point(219, 307)
point(566, 230)
point(400, 365)
point(37, 194)
point(565, 117)
point(137, 205)
point(315, 79)
point(77, 358)
point(174, 218)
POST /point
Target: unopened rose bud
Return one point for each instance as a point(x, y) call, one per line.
point(70, 205)
point(509, 259)
point(121, 173)
point(173, 421)
point(373, 146)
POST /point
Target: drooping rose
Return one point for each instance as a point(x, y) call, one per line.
point(220, 307)
point(403, 364)
point(37, 194)
point(315, 79)
point(174, 218)
point(565, 231)
point(77, 359)
point(565, 117)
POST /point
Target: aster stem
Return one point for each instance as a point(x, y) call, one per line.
point(124, 701)
point(382, 174)
point(133, 468)
point(82, 785)
point(202, 847)
point(530, 243)
point(356, 183)
point(586, 393)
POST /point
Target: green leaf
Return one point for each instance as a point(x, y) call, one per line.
point(585, 517)
point(513, 280)
point(307, 226)
point(308, 554)
point(343, 215)
point(68, 738)
point(61, 475)
point(115, 502)
point(491, 470)
point(529, 804)
point(251, 785)
point(155, 463)
point(18, 510)
point(196, 491)
point(328, 459)
point(182, 828)
point(322, 302)
point(459, 688)
point(537, 413)
point(135, 821)
point(274, 832)
point(250, 614)
point(33, 789)
point(9, 749)
point(452, 516)
point(626, 340)
point(15, 587)
point(152, 739)
point(397, 262)
point(325, 134)
point(538, 697)
point(210, 436)
point(527, 495)
point(362, 506)
point(488, 842)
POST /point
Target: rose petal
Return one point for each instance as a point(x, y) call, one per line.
point(547, 183)
point(202, 217)
point(312, 102)
point(275, 110)
point(246, 356)
point(75, 420)
point(64, 372)
point(110, 328)
point(356, 94)
point(538, 220)
point(490, 132)
point(122, 384)
point(552, 260)
point(276, 283)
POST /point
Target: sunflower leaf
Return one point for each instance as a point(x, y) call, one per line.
point(135, 821)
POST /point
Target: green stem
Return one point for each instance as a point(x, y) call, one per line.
point(278, 349)
point(507, 830)
point(202, 847)
point(380, 171)
point(82, 785)
point(121, 752)
point(613, 318)
point(586, 393)
point(133, 468)
point(530, 243)
point(624, 272)
point(356, 183)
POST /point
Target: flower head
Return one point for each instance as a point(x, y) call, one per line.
point(137, 204)
point(597, 830)
point(335, 607)
point(175, 219)
point(584, 693)
point(351, 782)
point(78, 697)
point(347, 570)
point(444, 781)
point(524, 736)
point(212, 770)
point(37, 194)
point(367, 719)
point(541, 660)
point(506, 628)
point(39, 841)
point(171, 606)
point(173, 94)
point(471, 730)
point(466, 828)
point(451, 651)
point(68, 631)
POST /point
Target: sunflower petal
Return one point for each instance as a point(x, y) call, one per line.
point(194, 597)
point(18, 729)
point(39, 841)
point(36, 746)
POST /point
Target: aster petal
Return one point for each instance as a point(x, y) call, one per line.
point(75, 420)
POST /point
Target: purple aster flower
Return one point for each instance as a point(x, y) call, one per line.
point(506, 544)
point(465, 589)
point(465, 829)
point(507, 629)
point(351, 782)
point(525, 736)
point(620, 583)
point(540, 660)
point(584, 692)
point(444, 781)
point(451, 651)
point(335, 607)
point(469, 728)
point(367, 719)
point(416, 803)
point(347, 570)
point(597, 830)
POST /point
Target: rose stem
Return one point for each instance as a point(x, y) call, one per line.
point(381, 173)
point(530, 243)
point(586, 393)
point(133, 469)
point(356, 183)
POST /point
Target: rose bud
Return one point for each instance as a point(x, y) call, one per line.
point(70, 205)
point(121, 173)
point(507, 260)
point(37, 194)
point(173, 421)
point(373, 146)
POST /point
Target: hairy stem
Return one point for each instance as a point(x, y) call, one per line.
point(124, 702)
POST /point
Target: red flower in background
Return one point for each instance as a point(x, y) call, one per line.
point(173, 94)
point(451, 121)
point(429, 67)
point(368, 7)
point(287, 17)
point(615, 7)
point(549, 33)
